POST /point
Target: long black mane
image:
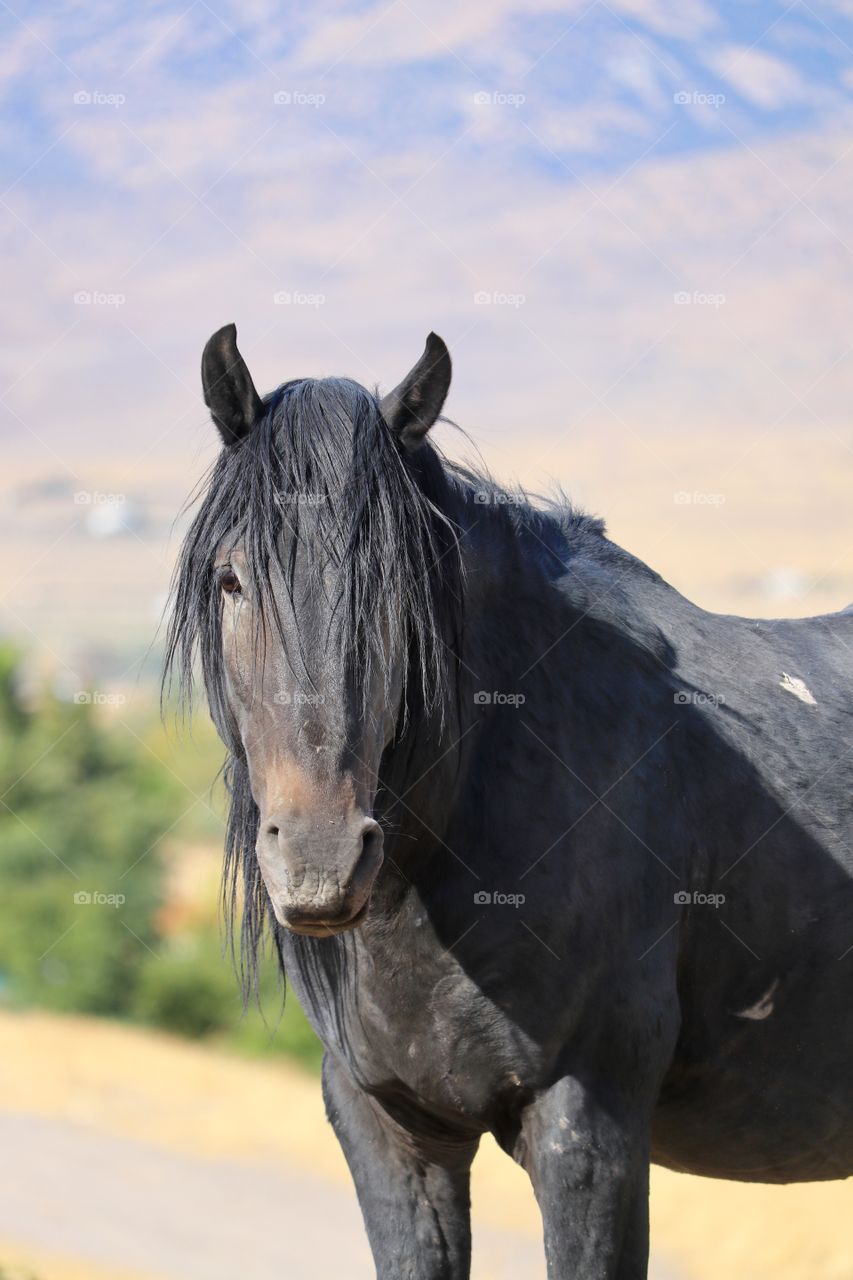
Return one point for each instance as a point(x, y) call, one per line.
point(320, 467)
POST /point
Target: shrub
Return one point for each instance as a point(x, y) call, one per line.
point(83, 813)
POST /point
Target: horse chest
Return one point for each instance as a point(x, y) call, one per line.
point(421, 1025)
point(441, 1042)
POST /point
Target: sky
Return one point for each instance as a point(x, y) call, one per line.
point(629, 220)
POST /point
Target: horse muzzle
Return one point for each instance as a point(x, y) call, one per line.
point(319, 885)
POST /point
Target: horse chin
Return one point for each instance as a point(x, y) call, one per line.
point(325, 928)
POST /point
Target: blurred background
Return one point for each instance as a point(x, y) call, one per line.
point(630, 222)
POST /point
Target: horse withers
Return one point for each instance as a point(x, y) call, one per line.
point(545, 850)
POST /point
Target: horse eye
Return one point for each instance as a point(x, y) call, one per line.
point(229, 582)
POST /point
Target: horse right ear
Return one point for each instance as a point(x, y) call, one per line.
point(229, 391)
point(412, 407)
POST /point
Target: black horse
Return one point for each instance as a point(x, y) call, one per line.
point(546, 850)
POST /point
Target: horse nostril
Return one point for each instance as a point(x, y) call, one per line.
point(272, 830)
point(371, 842)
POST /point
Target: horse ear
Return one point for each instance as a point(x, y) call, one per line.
point(229, 391)
point(412, 407)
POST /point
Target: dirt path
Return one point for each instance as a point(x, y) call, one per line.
point(132, 1205)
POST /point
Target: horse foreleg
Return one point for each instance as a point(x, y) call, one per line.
point(414, 1198)
point(590, 1170)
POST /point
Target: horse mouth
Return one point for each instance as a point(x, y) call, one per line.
point(319, 928)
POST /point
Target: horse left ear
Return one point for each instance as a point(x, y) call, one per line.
point(412, 407)
point(229, 391)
